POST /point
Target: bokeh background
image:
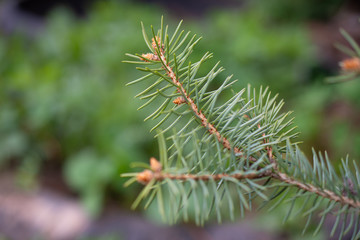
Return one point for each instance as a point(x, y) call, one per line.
point(69, 126)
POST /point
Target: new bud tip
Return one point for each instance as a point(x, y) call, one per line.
point(155, 165)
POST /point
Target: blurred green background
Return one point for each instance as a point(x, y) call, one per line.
point(68, 122)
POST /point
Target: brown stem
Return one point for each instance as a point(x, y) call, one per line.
point(311, 188)
point(147, 175)
point(161, 176)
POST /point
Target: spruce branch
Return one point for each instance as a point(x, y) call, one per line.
point(321, 192)
point(243, 145)
point(156, 174)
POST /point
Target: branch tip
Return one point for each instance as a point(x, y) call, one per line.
point(145, 176)
point(155, 165)
point(350, 64)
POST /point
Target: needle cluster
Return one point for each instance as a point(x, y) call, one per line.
point(217, 156)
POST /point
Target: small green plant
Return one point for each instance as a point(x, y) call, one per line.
point(219, 156)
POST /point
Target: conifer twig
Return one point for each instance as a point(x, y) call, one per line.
point(156, 174)
point(148, 175)
point(247, 151)
point(321, 192)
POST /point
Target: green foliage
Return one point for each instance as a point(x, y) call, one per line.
point(78, 170)
point(262, 53)
point(299, 10)
point(227, 153)
point(63, 94)
point(64, 102)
